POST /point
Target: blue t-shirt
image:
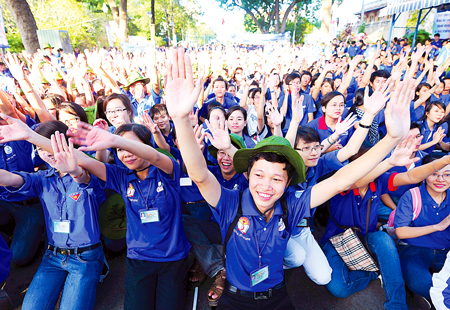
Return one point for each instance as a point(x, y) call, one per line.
point(431, 213)
point(319, 125)
point(64, 199)
point(160, 241)
point(272, 237)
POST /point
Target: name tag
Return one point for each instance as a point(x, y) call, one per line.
point(185, 182)
point(304, 223)
point(149, 216)
point(259, 275)
point(62, 227)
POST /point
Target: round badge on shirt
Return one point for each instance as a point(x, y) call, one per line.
point(8, 149)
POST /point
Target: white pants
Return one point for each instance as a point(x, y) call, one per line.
point(304, 250)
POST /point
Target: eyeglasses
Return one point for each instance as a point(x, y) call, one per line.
point(294, 83)
point(308, 149)
point(418, 136)
point(114, 112)
point(445, 176)
point(72, 121)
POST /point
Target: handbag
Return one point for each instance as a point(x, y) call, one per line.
point(351, 249)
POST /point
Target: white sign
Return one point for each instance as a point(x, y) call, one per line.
point(442, 24)
point(3, 40)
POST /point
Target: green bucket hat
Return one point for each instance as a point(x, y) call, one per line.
point(273, 144)
point(135, 77)
point(165, 152)
point(58, 76)
point(47, 45)
point(112, 218)
point(236, 140)
point(43, 80)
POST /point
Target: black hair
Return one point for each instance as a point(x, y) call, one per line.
point(379, 73)
point(258, 90)
point(329, 81)
point(125, 100)
point(158, 109)
point(428, 108)
point(220, 79)
point(254, 83)
point(358, 100)
point(307, 134)
point(415, 125)
point(437, 34)
point(432, 157)
point(142, 132)
point(314, 79)
point(73, 109)
point(418, 88)
point(49, 128)
point(215, 106)
point(272, 158)
point(292, 77)
point(236, 108)
point(366, 146)
point(327, 98)
point(54, 98)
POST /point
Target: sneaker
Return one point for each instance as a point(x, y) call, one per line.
point(422, 302)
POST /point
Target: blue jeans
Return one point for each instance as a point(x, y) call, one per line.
point(416, 263)
point(76, 274)
point(345, 282)
point(28, 231)
point(206, 241)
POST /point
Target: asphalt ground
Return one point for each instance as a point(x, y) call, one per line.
point(304, 293)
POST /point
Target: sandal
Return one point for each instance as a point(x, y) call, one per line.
point(196, 272)
point(217, 288)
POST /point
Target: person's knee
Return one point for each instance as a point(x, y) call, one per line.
point(21, 258)
point(338, 289)
point(323, 277)
point(295, 259)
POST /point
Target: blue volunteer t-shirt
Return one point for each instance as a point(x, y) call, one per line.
point(272, 237)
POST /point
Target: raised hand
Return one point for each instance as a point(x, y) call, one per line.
point(193, 117)
point(219, 136)
point(274, 114)
point(101, 123)
point(417, 54)
point(397, 72)
point(15, 66)
point(356, 60)
point(380, 96)
point(91, 138)
point(16, 130)
point(64, 159)
point(438, 135)
point(402, 153)
point(347, 123)
point(297, 109)
point(200, 137)
point(397, 116)
point(181, 95)
point(148, 122)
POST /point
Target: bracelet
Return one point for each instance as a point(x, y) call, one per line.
point(331, 143)
point(364, 126)
point(82, 172)
point(432, 164)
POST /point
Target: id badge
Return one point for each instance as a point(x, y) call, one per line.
point(185, 182)
point(304, 223)
point(259, 275)
point(149, 216)
point(61, 226)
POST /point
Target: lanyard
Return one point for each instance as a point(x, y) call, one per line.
point(265, 243)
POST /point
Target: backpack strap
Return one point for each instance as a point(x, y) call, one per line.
point(232, 226)
point(285, 209)
point(417, 202)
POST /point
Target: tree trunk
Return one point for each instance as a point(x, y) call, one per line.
point(153, 11)
point(286, 14)
point(24, 19)
point(260, 27)
point(123, 27)
point(326, 15)
point(115, 11)
point(277, 16)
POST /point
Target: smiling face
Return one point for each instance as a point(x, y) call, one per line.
point(225, 164)
point(439, 181)
point(117, 113)
point(335, 107)
point(267, 183)
point(310, 152)
point(162, 120)
point(130, 160)
point(236, 122)
point(436, 114)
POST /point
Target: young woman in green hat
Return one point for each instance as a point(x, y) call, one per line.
point(263, 217)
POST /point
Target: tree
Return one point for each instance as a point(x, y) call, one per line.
point(266, 14)
point(26, 23)
point(120, 18)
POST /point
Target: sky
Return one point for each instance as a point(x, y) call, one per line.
point(213, 15)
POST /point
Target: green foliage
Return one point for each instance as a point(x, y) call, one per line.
point(302, 28)
point(15, 42)
point(422, 35)
point(362, 28)
point(249, 24)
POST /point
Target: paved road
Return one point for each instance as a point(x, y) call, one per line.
point(304, 293)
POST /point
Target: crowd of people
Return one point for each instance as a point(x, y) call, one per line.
point(225, 152)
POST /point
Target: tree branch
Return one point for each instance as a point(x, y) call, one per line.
point(286, 14)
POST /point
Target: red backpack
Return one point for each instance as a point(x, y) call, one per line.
point(417, 207)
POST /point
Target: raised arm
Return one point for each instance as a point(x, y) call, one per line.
point(368, 73)
point(181, 96)
point(297, 116)
point(319, 81)
point(397, 124)
point(348, 79)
